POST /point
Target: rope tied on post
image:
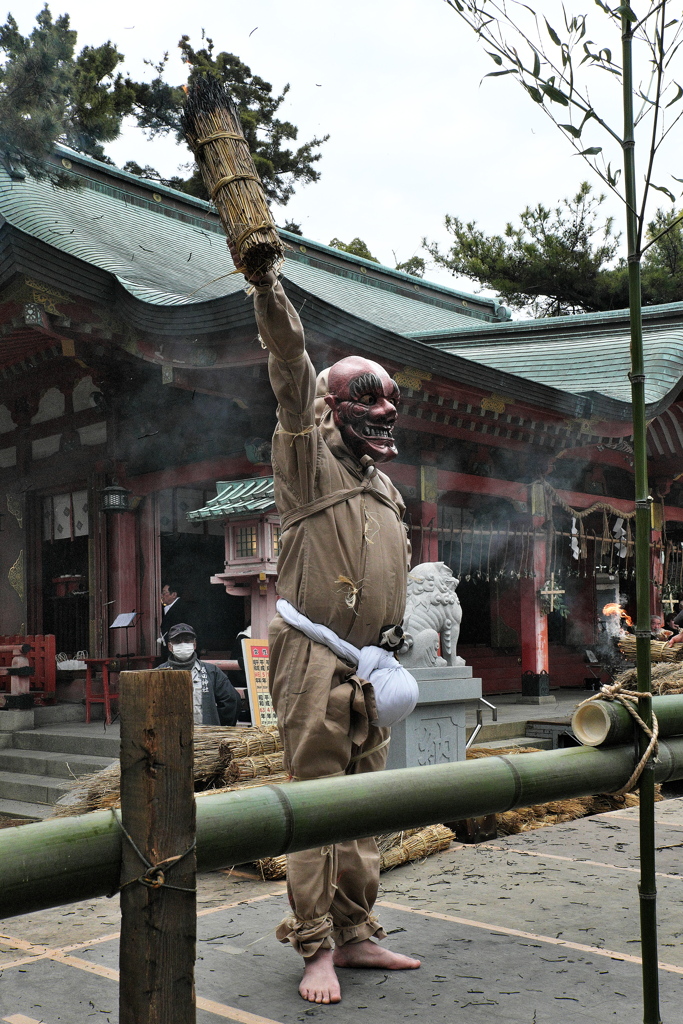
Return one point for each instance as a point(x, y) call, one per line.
point(629, 700)
point(154, 877)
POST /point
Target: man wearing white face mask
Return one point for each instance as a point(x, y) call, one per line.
point(215, 700)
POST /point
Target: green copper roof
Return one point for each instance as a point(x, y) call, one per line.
point(173, 252)
point(587, 354)
point(238, 498)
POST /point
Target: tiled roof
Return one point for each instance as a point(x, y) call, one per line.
point(238, 498)
point(583, 355)
point(172, 252)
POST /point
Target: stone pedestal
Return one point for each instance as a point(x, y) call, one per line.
point(435, 731)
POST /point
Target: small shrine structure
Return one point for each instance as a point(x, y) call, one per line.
point(252, 545)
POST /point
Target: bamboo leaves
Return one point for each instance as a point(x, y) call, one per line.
point(550, 60)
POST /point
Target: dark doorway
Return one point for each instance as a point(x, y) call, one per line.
point(65, 593)
point(191, 560)
point(475, 598)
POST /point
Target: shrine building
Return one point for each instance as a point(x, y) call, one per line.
point(136, 416)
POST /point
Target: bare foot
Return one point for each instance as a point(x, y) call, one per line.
point(369, 954)
point(320, 983)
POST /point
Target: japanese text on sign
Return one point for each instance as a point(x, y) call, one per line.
point(256, 668)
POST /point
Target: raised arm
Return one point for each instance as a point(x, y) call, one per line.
point(291, 372)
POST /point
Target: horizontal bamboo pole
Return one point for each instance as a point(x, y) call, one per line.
point(67, 859)
point(607, 723)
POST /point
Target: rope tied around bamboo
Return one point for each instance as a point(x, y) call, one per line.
point(629, 700)
point(154, 877)
point(213, 129)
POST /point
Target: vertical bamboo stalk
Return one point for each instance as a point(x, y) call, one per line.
point(158, 925)
point(647, 887)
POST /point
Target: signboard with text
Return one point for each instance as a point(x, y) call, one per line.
point(256, 671)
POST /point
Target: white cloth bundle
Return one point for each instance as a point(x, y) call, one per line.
point(396, 691)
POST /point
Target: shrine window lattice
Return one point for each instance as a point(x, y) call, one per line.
point(246, 542)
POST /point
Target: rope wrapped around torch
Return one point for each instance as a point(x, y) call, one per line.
point(211, 124)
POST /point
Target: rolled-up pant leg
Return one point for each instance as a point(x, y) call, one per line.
point(331, 889)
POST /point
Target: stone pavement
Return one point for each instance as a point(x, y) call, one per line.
point(538, 928)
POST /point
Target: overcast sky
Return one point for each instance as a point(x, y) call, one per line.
point(415, 133)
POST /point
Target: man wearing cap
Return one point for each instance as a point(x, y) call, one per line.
point(215, 700)
point(342, 575)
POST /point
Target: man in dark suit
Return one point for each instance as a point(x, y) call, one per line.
point(175, 611)
point(215, 699)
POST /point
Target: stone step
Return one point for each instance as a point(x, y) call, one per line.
point(25, 809)
point(497, 730)
point(14, 719)
point(514, 741)
point(37, 789)
point(50, 763)
point(52, 714)
point(69, 739)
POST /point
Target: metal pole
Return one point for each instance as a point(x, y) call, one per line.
point(647, 887)
point(67, 859)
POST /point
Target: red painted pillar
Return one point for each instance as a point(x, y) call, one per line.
point(150, 575)
point(425, 535)
point(534, 627)
point(124, 580)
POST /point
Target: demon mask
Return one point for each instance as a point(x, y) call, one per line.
point(363, 399)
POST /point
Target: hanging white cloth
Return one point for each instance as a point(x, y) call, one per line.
point(396, 691)
point(620, 537)
point(575, 540)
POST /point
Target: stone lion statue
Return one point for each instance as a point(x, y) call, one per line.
point(433, 612)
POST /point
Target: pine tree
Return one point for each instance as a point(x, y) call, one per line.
point(49, 95)
point(158, 107)
point(561, 261)
point(356, 247)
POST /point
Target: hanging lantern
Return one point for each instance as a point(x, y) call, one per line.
point(114, 498)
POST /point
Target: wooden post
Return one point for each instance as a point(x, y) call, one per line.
point(158, 926)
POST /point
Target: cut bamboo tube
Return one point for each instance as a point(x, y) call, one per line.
point(608, 723)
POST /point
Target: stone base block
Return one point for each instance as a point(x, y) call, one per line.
point(548, 699)
point(435, 732)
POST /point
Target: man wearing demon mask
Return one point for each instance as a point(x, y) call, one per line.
point(342, 572)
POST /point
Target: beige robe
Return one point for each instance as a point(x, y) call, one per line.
point(344, 567)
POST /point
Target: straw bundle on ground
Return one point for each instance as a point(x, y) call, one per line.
point(395, 848)
point(666, 678)
point(243, 768)
point(265, 741)
point(208, 766)
point(211, 124)
point(277, 779)
point(421, 843)
point(212, 746)
point(658, 649)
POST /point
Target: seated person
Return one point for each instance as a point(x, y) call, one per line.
point(215, 699)
point(657, 631)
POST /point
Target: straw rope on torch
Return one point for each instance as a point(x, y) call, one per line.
point(211, 124)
